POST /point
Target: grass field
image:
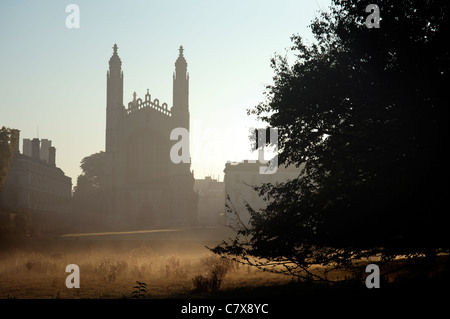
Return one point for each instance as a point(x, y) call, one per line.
point(110, 263)
point(173, 263)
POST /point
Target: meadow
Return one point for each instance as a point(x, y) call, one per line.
point(171, 263)
point(166, 264)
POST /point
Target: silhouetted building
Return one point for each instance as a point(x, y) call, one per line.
point(211, 200)
point(239, 179)
point(145, 187)
point(38, 187)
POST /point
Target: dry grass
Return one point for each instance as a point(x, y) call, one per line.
point(112, 273)
point(171, 264)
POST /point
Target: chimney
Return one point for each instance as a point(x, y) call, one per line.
point(26, 147)
point(35, 149)
point(52, 156)
point(45, 145)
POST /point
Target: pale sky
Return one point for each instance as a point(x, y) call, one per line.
point(53, 79)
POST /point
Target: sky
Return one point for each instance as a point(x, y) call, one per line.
point(53, 78)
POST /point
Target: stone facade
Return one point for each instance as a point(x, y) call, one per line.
point(211, 201)
point(239, 179)
point(37, 187)
point(145, 187)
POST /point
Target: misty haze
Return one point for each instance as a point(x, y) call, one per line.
point(134, 213)
point(204, 151)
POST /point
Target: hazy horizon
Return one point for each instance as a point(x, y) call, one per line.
point(53, 79)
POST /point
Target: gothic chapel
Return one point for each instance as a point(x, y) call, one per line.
point(144, 187)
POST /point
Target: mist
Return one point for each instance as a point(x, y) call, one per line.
point(225, 157)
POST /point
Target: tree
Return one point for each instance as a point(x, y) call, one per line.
point(8, 145)
point(366, 111)
point(89, 197)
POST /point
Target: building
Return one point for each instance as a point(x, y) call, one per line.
point(145, 187)
point(239, 179)
point(211, 201)
point(38, 187)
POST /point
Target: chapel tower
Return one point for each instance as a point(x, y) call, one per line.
point(114, 99)
point(114, 113)
point(144, 186)
point(180, 108)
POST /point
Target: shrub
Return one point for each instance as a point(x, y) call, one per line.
point(140, 290)
point(207, 284)
point(217, 268)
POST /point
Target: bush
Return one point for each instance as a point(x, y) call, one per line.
point(217, 268)
point(207, 284)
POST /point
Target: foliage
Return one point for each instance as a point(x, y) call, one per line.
point(89, 197)
point(93, 176)
point(207, 284)
point(8, 143)
point(366, 111)
point(217, 269)
point(140, 290)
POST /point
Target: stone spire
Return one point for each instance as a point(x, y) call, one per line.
point(180, 108)
point(181, 64)
point(115, 64)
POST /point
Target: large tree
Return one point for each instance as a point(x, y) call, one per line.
point(89, 197)
point(366, 111)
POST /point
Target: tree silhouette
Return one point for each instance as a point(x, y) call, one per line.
point(8, 144)
point(89, 197)
point(366, 110)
